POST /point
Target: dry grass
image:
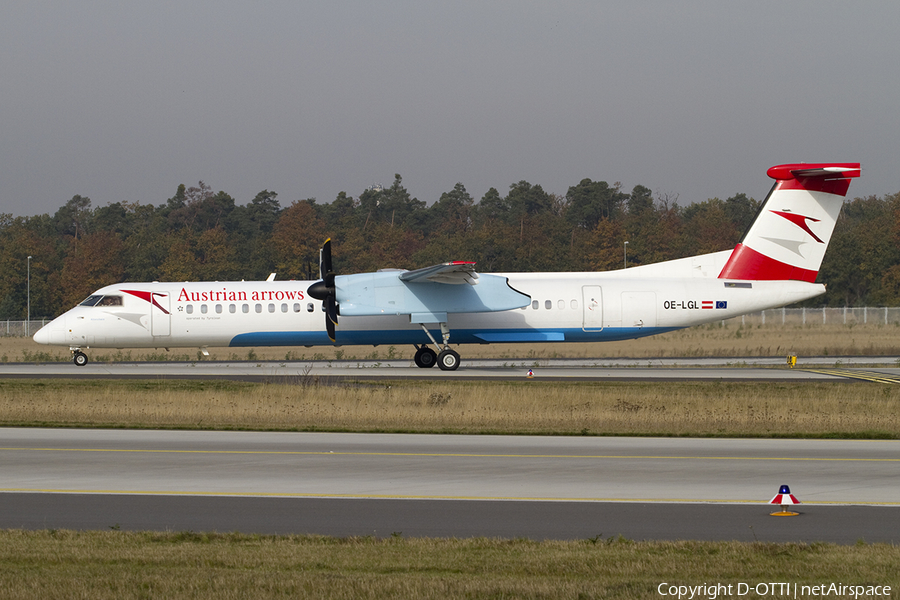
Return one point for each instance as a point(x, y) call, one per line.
point(98, 565)
point(728, 339)
point(618, 408)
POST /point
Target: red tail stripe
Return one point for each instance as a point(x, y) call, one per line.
point(746, 263)
point(831, 178)
point(838, 187)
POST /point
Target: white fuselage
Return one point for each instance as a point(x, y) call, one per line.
point(774, 264)
point(576, 307)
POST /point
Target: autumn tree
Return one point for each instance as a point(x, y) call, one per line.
point(97, 260)
point(591, 201)
point(180, 263)
point(296, 238)
point(707, 228)
point(21, 237)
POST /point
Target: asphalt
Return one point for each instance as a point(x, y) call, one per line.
point(448, 486)
point(882, 369)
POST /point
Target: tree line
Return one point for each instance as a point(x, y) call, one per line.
point(199, 234)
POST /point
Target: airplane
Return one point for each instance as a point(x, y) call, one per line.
point(775, 264)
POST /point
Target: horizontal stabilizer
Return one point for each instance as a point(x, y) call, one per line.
point(801, 170)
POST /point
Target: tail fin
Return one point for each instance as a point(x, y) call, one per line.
point(788, 238)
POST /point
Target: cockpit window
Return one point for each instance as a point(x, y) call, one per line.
point(110, 301)
point(98, 300)
point(91, 301)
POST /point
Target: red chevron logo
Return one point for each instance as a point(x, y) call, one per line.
point(800, 221)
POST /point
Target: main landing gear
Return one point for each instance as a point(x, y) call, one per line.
point(78, 357)
point(447, 359)
point(425, 357)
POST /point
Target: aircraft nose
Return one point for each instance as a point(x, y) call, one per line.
point(51, 333)
point(43, 335)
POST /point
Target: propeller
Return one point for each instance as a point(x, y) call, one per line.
point(324, 289)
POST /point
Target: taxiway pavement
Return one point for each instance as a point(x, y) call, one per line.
point(508, 486)
point(676, 369)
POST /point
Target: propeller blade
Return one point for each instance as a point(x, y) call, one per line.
point(325, 266)
point(329, 327)
point(324, 289)
point(331, 309)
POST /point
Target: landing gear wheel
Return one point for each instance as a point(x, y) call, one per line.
point(448, 360)
point(425, 357)
point(80, 359)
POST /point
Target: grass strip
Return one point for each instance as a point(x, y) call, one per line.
point(120, 564)
point(829, 409)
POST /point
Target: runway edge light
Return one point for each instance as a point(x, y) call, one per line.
point(785, 498)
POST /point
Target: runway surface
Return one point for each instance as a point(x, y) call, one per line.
point(882, 369)
point(362, 484)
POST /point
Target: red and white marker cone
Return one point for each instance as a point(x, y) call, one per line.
point(785, 498)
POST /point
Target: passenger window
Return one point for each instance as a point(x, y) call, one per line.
point(574, 304)
point(296, 307)
point(271, 308)
point(245, 308)
point(310, 307)
point(284, 308)
point(259, 308)
point(548, 304)
point(203, 308)
point(535, 304)
point(189, 309)
point(232, 308)
point(561, 304)
point(218, 309)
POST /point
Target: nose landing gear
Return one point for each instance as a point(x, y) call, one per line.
point(78, 357)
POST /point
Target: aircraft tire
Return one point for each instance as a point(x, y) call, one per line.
point(425, 358)
point(80, 359)
point(448, 360)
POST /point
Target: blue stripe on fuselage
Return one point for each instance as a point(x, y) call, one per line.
point(457, 336)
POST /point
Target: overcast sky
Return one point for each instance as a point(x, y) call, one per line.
point(123, 101)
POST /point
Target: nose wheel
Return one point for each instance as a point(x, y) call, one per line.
point(79, 358)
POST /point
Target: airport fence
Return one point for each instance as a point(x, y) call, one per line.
point(11, 328)
point(864, 315)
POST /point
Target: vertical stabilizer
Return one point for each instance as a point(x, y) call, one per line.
point(792, 230)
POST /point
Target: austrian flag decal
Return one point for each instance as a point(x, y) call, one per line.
point(716, 304)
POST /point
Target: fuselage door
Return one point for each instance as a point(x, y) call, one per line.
point(592, 300)
point(160, 319)
point(639, 309)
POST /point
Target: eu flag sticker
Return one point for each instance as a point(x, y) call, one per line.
point(721, 304)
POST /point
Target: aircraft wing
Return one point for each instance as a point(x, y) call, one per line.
point(456, 272)
point(426, 295)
